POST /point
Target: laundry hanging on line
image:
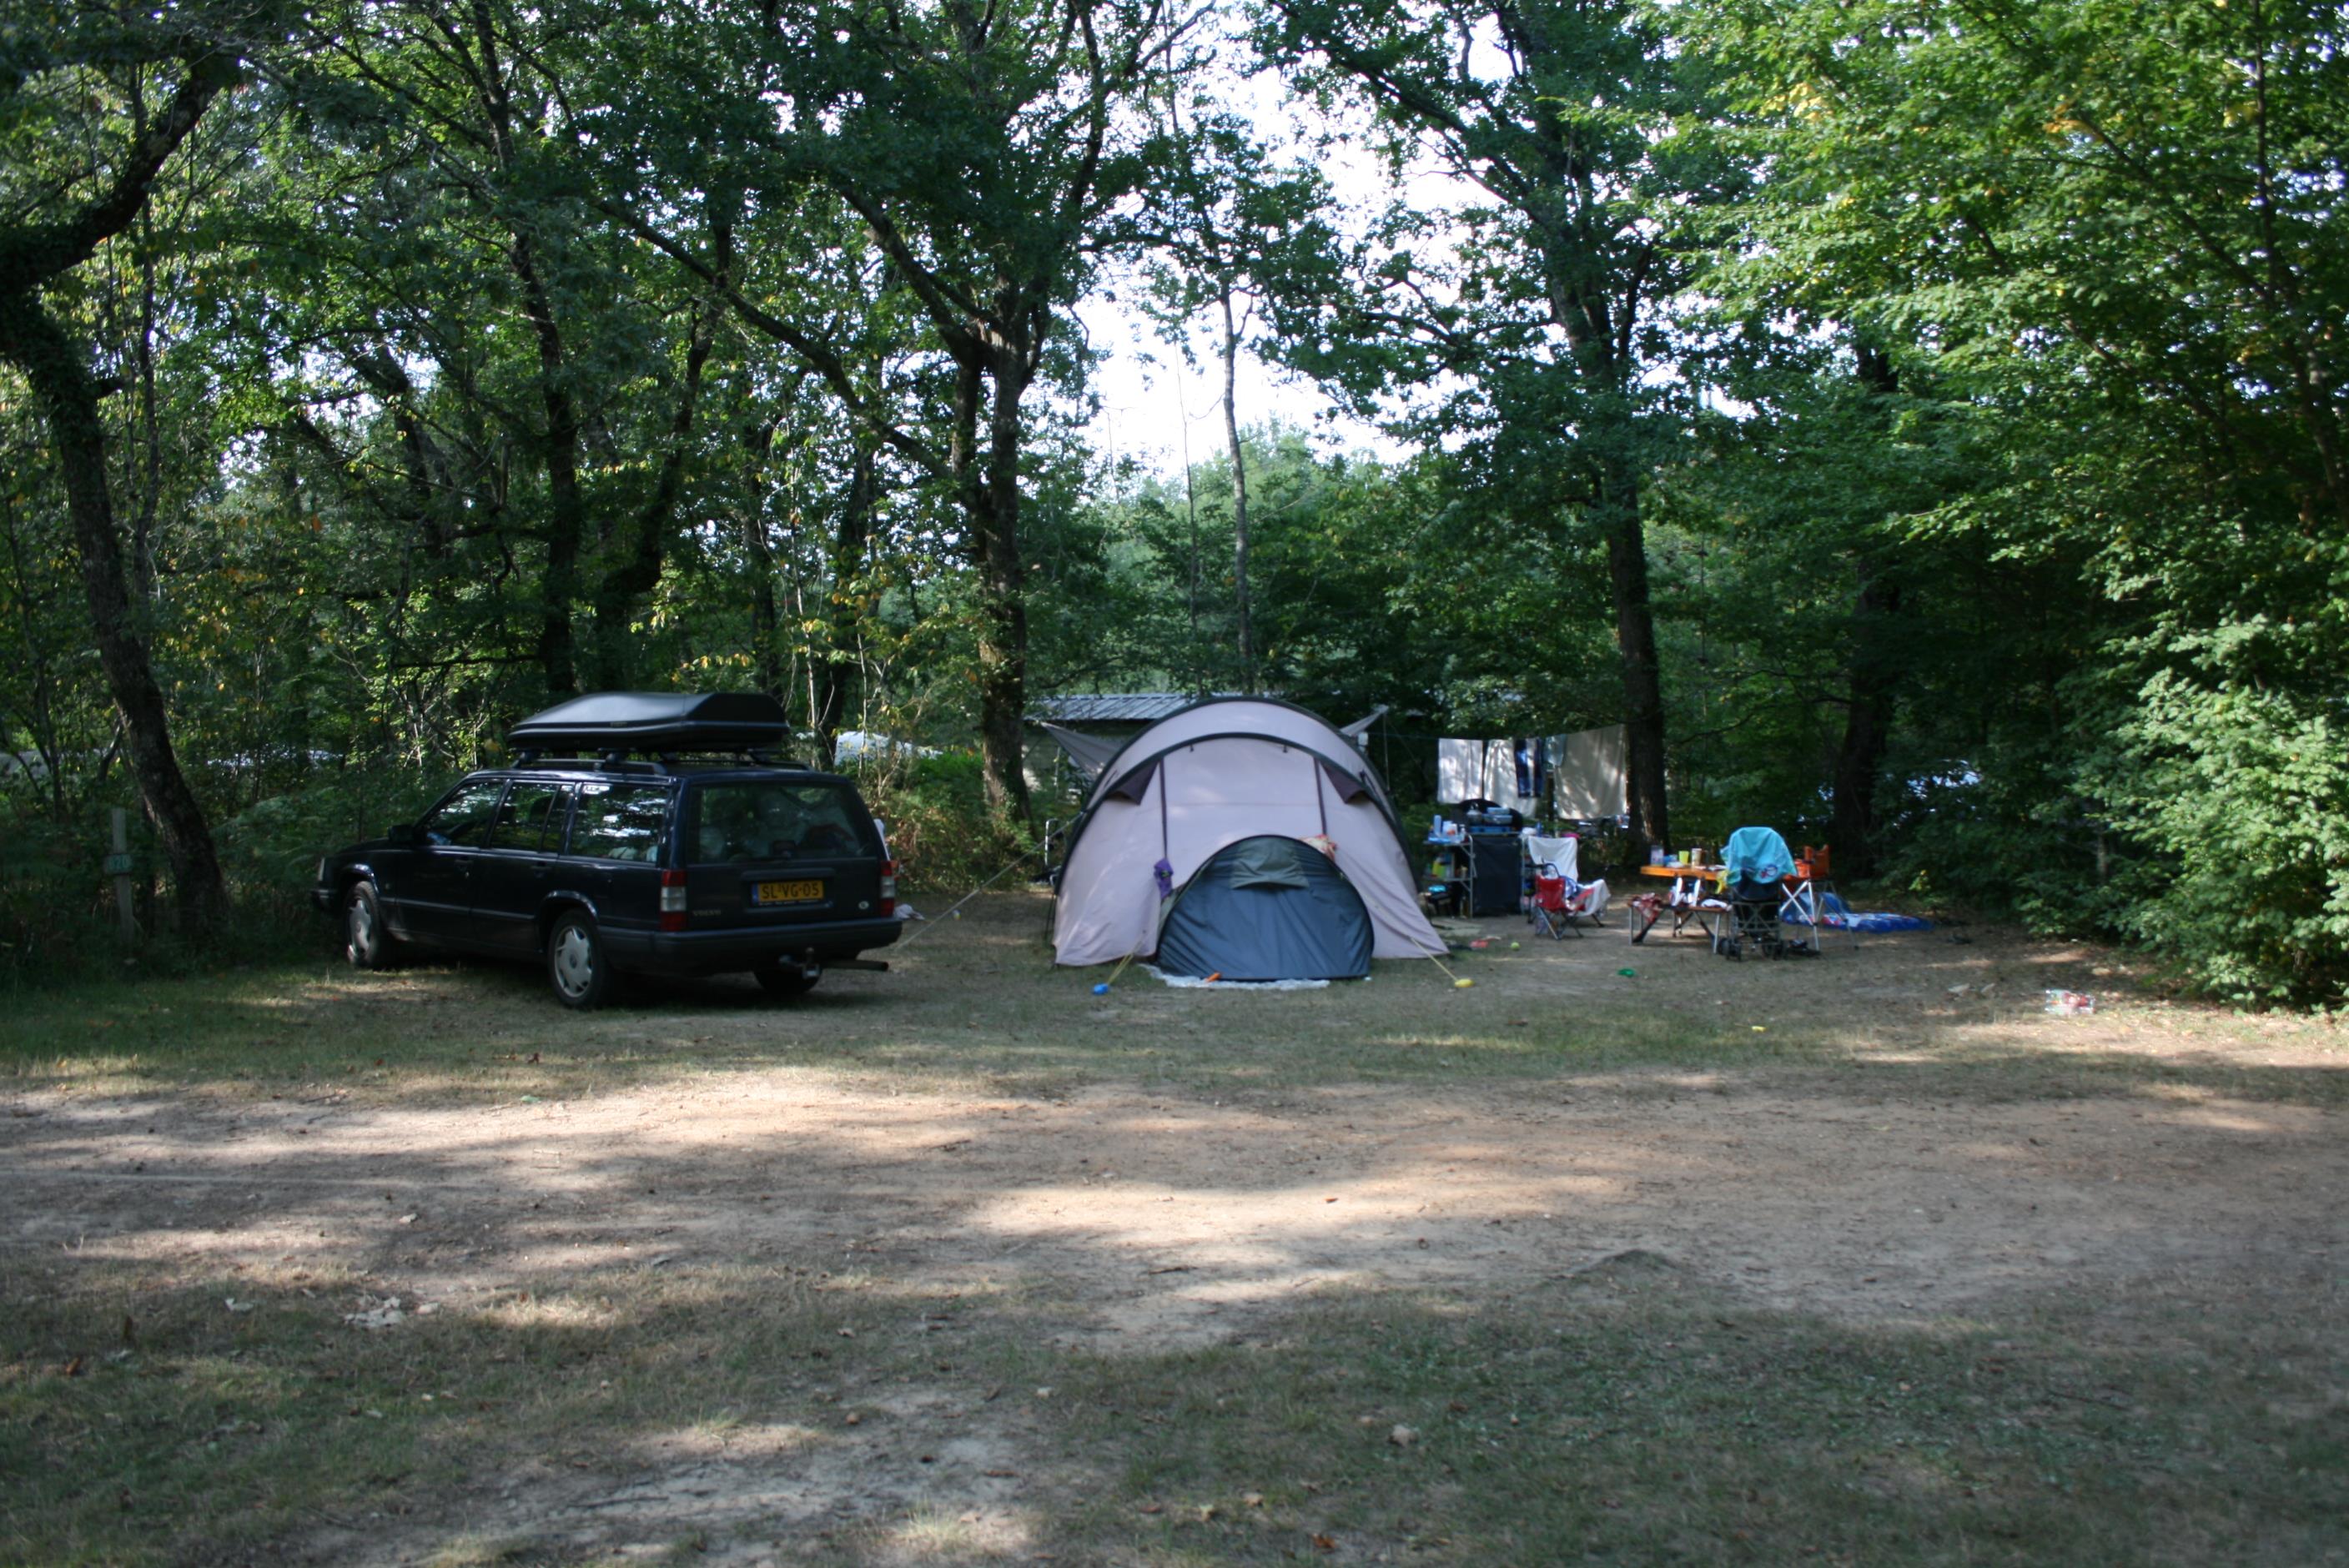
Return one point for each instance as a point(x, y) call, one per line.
point(1578, 777)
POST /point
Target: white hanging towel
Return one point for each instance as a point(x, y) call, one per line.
point(1459, 771)
point(1587, 774)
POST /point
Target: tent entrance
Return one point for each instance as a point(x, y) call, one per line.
point(1266, 908)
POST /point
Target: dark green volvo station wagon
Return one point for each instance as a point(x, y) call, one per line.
point(671, 843)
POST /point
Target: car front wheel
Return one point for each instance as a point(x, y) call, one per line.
point(368, 942)
point(575, 963)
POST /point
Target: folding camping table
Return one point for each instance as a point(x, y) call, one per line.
point(1799, 900)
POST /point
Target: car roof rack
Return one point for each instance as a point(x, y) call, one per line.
point(665, 726)
point(617, 760)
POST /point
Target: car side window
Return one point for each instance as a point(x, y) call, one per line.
point(532, 817)
point(464, 817)
point(619, 821)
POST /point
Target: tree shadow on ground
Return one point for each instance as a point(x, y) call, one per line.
point(1631, 1410)
point(981, 1004)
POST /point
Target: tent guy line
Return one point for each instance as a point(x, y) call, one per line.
point(990, 882)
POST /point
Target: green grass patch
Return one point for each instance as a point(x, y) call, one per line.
point(977, 1005)
point(1627, 1418)
point(225, 1414)
point(1628, 1414)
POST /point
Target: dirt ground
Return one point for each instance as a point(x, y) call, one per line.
point(1154, 1216)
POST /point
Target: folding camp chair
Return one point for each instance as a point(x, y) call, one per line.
point(1756, 868)
point(1557, 904)
point(1560, 902)
point(1750, 923)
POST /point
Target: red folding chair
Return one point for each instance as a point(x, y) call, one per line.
point(1557, 910)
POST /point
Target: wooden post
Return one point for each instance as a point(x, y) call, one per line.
point(117, 866)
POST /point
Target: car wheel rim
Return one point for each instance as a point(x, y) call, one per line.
point(574, 961)
point(362, 930)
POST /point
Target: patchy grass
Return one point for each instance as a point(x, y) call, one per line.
point(977, 1004)
point(1630, 1414)
point(249, 1408)
point(171, 1394)
point(1631, 1417)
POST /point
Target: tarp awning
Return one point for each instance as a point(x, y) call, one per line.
point(1089, 753)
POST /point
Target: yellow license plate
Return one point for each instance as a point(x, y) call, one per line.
point(787, 892)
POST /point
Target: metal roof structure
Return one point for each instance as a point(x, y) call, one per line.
point(1114, 708)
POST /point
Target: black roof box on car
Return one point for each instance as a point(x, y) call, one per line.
point(658, 721)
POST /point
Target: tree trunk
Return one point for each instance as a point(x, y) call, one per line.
point(566, 511)
point(1600, 343)
point(39, 719)
point(69, 397)
point(432, 507)
point(1867, 725)
point(1635, 642)
point(637, 572)
point(1868, 717)
point(1002, 594)
point(766, 633)
point(847, 610)
point(1239, 497)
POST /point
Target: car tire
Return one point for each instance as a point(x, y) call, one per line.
point(786, 980)
point(367, 941)
point(576, 963)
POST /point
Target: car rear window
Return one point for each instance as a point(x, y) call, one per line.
point(776, 820)
point(619, 821)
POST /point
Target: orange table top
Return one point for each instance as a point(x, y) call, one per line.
point(1712, 873)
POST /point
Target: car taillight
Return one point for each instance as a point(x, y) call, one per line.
point(672, 900)
point(888, 887)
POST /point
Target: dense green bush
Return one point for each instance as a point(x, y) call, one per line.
point(945, 838)
point(2235, 777)
point(57, 919)
point(56, 908)
point(270, 851)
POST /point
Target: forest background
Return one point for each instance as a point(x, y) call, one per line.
point(1920, 424)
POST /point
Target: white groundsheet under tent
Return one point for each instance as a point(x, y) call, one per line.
point(1202, 781)
point(1585, 782)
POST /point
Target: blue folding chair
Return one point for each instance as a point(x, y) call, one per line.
point(1756, 864)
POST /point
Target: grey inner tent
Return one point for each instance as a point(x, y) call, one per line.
point(1266, 908)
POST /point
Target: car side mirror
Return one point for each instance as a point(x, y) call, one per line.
point(403, 834)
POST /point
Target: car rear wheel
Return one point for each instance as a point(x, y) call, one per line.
point(368, 942)
point(787, 979)
point(576, 964)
